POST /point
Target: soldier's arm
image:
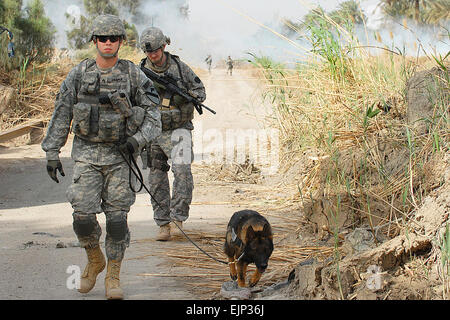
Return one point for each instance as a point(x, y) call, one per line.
point(148, 99)
point(59, 126)
point(196, 87)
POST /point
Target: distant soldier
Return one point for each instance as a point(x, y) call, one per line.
point(229, 66)
point(175, 142)
point(105, 129)
point(208, 61)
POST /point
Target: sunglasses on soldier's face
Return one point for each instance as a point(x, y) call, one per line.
point(103, 39)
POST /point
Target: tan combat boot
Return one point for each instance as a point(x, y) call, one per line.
point(176, 226)
point(96, 264)
point(112, 281)
point(164, 233)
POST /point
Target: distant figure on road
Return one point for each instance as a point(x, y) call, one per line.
point(229, 66)
point(208, 61)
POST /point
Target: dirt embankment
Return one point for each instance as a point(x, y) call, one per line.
point(389, 255)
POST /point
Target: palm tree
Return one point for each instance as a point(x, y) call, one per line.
point(348, 10)
point(438, 10)
point(426, 11)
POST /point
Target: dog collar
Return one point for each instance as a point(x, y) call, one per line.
point(238, 242)
point(235, 238)
point(237, 260)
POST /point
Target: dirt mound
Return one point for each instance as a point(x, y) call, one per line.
point(424, 90)
point(409, 266)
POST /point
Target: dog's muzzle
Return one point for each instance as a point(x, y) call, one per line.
point(262, 267)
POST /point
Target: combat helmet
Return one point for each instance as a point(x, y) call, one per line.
point(108, 25)
point(152, 39)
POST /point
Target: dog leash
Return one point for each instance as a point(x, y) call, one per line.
point(139, 177)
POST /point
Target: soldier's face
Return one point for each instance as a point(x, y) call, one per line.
point(108, 47)
point(156, 56)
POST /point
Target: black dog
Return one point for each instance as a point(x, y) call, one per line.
point(248, 240)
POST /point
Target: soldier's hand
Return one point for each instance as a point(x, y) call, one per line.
point(130, 146)
point(52, 167)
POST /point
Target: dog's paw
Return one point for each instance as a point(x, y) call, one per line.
point(251, 284)
point(241, 283)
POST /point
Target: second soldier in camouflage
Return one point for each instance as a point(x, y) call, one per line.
point(175, 142)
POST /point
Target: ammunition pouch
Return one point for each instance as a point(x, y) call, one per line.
point(81, 119)
point(120, 103)
point(174, 117)
point(110, 128)
point(187, 112)
point(90, 83)
point(97, 124)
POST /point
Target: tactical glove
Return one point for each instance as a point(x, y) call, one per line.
point(130, 146)
point(52, 166)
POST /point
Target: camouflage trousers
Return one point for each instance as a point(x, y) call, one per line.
point(174, 145)
point(97, 189)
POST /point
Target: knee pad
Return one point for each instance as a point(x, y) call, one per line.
point(117, 228)
point(83, 227)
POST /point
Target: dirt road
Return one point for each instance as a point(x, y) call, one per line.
point(36, 219)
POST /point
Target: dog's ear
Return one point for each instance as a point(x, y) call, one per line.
point(267, 230)
point(250, 235)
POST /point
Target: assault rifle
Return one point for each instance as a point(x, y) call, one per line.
point(171, 85)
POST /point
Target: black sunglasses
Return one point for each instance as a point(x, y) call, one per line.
point(103, 39)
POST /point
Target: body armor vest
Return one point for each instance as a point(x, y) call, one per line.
point(92, 120)
point(175, 111)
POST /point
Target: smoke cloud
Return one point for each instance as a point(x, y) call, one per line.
point(235, 27)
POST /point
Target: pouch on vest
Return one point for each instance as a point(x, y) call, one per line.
point(109, 124)
point(166, 120)
point(135, 120)
point(81, 119)
point(187, 112)
point(176, 118)
point(90, 83)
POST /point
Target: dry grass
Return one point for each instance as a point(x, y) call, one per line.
point(36, 86)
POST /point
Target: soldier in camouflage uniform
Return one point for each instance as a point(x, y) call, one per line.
point(102, 132)
point(175, 142)
point(208, 61)
point(230, 66)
